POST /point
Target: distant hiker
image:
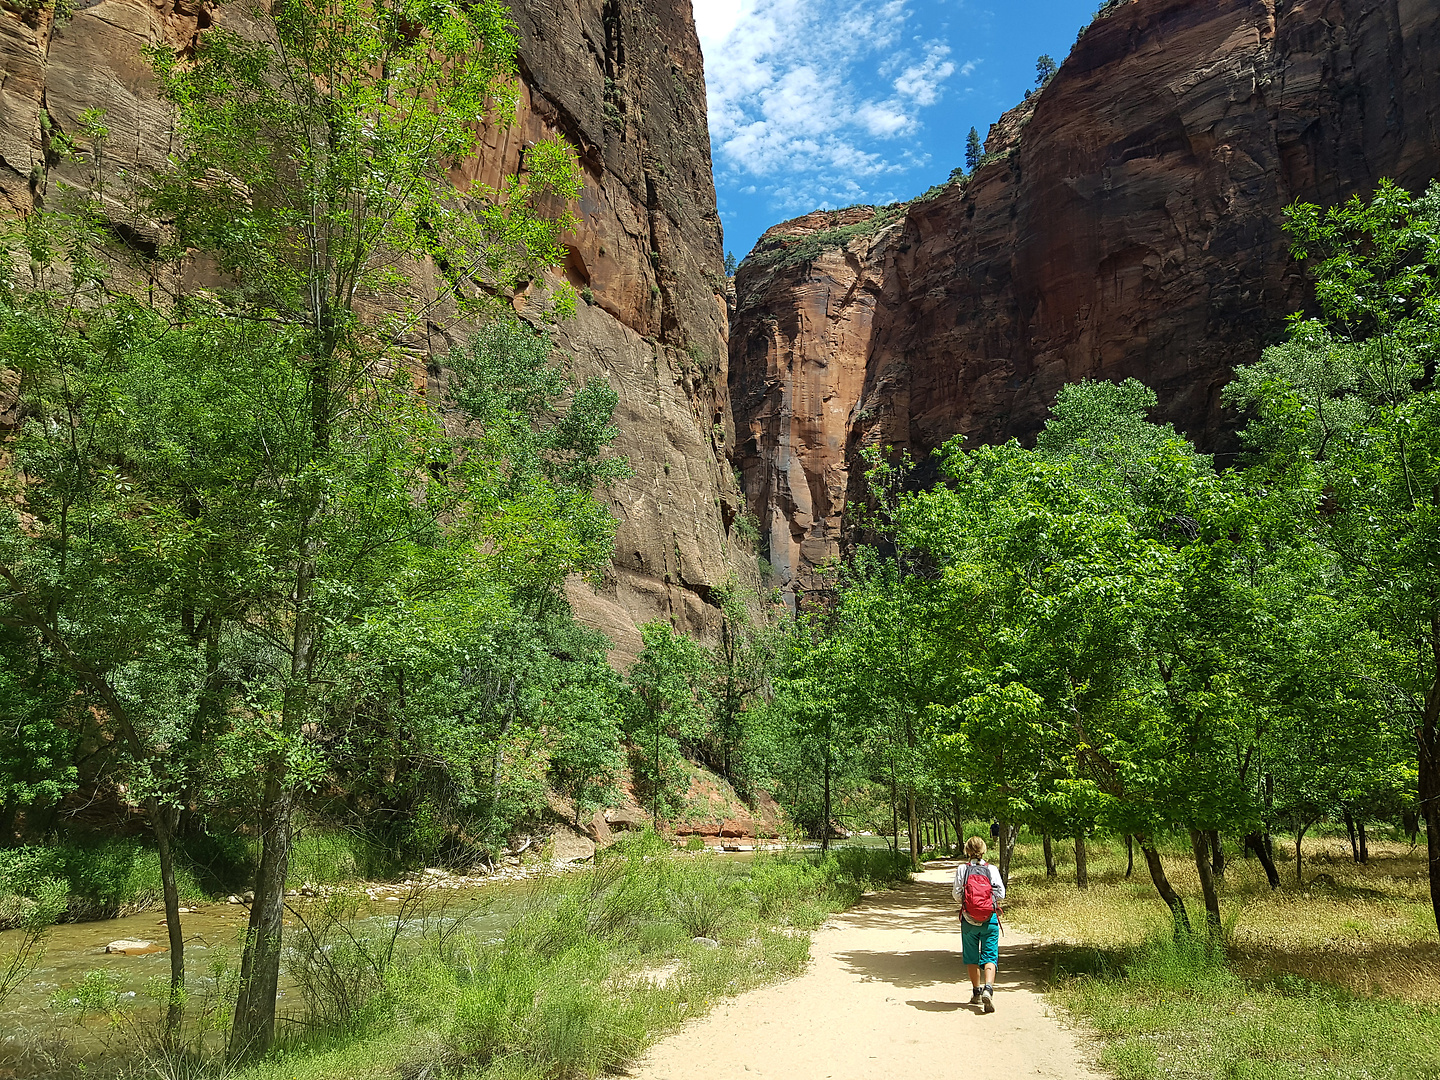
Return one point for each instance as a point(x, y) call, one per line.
point(978, 890)
point(994, 830)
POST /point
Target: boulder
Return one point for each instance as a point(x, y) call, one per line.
point(627, 817)
point(134, 947)
point(567, 845)
point(600, 830)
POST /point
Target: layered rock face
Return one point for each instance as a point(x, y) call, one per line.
point(1126, 222)
point(803, 326)
point(623, 80)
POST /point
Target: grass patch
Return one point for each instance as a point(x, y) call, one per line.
point(1338, 976)
point(1173, 1009)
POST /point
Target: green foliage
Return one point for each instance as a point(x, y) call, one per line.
point(1045, 69)
point(98, 878)
point(747, 528)
point(37, 715)
point(668, 703)
point(974, 151)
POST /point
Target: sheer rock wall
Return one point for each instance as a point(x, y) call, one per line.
point(1126, 222)
point(624, 81)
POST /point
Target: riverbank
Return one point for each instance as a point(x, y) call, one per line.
point(587, 970)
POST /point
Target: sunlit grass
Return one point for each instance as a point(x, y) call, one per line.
point(1338, 977)
point(1372, 931)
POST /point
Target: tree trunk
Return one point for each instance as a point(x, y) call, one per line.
point(1269, 809)
point(1217, 854)
point(655, 799)
point(1172, 899)
point(1255, 842)
point(1200, 844)
point(1129, 854)
point(894, 807)
point(1082, 869)
point(1300, 830)
point(1049, 848)
point(1008, 834)
point(253, 1029)
point(959, 824)
point(1428, 738)
point(825, 824)
point(912, 822)
point(1354, 841)
point(163, 827)
point(1364, 843)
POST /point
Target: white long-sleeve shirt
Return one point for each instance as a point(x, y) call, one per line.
point(997, 887)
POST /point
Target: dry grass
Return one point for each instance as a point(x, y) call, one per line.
point(1334, 979)
point(1372, 931)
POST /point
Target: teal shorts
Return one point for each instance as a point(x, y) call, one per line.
point(981, 944)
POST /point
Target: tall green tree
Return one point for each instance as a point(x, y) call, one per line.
point(974, 151)
point(1348, 410)
point(669, 711)
point(313, 164)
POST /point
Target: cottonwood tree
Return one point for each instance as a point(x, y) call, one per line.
point(668, 711)
point(1347, 409)
point(307, 484)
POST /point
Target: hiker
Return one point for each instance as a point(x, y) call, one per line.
point(978, 890)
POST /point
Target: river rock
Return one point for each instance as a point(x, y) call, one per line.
point(133, 947)
point(627, 817)
point(570, 846)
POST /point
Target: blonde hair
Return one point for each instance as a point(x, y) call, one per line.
point(975, 847)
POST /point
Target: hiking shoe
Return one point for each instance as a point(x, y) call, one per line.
point(975, 996)
point(987, 1000)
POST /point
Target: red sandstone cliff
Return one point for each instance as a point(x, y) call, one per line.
point(1130, 227)
point(624, 81)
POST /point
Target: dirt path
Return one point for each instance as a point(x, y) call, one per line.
point(885, 996)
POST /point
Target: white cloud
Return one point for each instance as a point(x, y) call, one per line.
point(805, 94)
point(922, 82)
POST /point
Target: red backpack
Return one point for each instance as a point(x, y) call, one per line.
point(979, 896)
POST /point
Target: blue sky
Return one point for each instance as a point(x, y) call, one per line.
point(827, 103)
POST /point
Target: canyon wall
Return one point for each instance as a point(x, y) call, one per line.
point(1125, 222)
point(623, 80)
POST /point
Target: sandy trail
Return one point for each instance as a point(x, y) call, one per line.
point(885, 996)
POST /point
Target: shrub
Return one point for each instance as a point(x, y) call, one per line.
point(103, 878)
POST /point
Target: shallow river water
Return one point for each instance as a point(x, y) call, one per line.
point(214, 933)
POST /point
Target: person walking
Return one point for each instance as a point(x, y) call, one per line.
point(978, 890)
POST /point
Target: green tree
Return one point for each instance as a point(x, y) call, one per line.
point(974, 151)
point(334, 126)
point(1347, 410)
point(1045, 69)
point(669, 711)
